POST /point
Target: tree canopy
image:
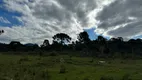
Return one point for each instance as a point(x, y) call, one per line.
point(61, 38)
point(83, 37)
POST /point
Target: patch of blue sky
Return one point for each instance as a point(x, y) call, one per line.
point(136, 37)
point(9, 15)
point(93, 35)
point(1, 2)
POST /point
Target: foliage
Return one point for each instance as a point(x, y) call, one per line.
point(48, 68)
point(126, 77)
point(99, 48)
point(106, 78)
point(83, 37)
point(61, 38)
point(62, 69)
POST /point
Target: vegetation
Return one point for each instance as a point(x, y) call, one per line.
point(99, 48)
point(29, 67)
point(100, 59)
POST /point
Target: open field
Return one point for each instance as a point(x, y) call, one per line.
point(26, 67)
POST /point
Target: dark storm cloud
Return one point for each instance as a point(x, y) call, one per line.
point(122, 12)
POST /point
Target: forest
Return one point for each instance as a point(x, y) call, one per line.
point(100, 48)
point(64, 59)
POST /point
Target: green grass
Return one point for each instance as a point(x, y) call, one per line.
point(26, 67)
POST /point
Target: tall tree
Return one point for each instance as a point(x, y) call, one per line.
point(132, 44)
point(101, 40)
point(102, 45)
point(45, 43)
point(83, 37)
point(61, 38)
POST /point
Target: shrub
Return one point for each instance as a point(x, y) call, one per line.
point(62, 69)
point(86, 78)
point(109, 62)
point(16, 76)
point(24, 59)
point(45, 74)
point(126, 77)
point(70, 57)
point(24, 69)
point(66, 79)
point(53, 54)
point(92, 60)
point(106, 78)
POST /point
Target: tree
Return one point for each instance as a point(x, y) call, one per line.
point(45, 46)
point(83, 37)
point(118, 39)
point(102, 45)
point(101, 40)
point(61, 38)
point(132, 44)
point(15, 45)
point(45, 43)
point(83, 43)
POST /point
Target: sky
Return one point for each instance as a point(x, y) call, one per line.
point(32, 21)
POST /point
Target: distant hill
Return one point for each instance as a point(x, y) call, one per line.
point(31, 44)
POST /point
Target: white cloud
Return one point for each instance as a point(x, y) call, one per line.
point(44, 18)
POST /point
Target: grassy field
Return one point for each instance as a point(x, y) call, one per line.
point(24, 67)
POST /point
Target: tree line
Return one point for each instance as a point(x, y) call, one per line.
point(101, 47)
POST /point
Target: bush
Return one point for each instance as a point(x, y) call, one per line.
point(126, 77)
point(86, 78)
point(24, 59)
point(106, 78)
point(92, 60)
point(53, 54)
point(62, 69)
point(45, 75)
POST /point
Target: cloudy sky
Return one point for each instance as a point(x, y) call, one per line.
point(32, 21)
